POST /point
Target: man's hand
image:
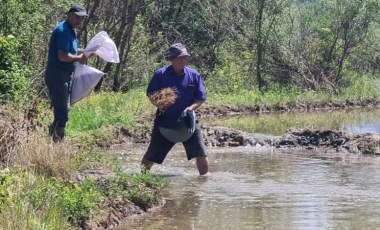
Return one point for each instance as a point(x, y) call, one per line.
point(194, 106)
point(82, 59)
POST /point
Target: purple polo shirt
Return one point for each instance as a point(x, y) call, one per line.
point(189, 86)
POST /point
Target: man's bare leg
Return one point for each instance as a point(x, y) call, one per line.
point(146, 165)
point(202, 165)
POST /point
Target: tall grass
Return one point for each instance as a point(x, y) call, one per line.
point(27, 146)
point(40, 154)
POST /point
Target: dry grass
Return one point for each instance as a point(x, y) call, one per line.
point(26, 147)
point(7, 138)
point(45, 157)
point(164, 98)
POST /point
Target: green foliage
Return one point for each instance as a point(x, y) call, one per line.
point(279, 123)
point(12, 76)
point(360, 88)
point(142, 62)
point(142, 189)
point(94, 117)
point(29, 201)
point(317, 48)
point(79, 200)
point(230, 75)
point(106, 109)
point(5, 185)
point(31, 204)
point(94, 160)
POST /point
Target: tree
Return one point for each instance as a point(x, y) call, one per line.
point(202, 25)
point(319, 44)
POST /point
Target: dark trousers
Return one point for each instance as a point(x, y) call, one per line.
point(58, 84)
point(159, 146)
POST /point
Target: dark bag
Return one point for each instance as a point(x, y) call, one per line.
point(182, 129)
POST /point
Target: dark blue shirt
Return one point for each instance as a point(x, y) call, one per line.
point(62, 38)
point(189, 86)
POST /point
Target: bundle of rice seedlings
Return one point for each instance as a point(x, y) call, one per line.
point(164, 98)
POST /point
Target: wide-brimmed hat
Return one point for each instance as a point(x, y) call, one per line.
point(176, 50)
point(78, 10)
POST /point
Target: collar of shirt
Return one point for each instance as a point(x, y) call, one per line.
point(172, 71)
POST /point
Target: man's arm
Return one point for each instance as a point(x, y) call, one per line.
point(68, 57)
point(195, 105)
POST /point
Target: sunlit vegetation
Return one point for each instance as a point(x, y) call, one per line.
point(250, 53)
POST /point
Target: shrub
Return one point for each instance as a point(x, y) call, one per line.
point(12, 76)
point(79, 200)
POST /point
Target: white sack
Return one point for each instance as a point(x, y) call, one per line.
point(103, 46)
point(84, 81)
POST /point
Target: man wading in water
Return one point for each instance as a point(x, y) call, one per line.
point(190, 94)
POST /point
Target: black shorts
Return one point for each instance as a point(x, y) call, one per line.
point(159, 146)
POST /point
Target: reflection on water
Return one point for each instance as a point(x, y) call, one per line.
point(265, 189)
point(355, 121)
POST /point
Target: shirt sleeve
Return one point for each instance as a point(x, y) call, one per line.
point(154, 84)
point(200, 93)
point(63, 41)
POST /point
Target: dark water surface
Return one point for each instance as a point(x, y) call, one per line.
point(259, 188)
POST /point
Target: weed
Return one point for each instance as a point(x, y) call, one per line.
point(78, 201)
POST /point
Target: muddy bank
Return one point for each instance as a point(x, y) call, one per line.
point(331, 140)
point(114, 209)
point(297, 138)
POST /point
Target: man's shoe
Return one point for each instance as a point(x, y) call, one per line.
point(57, 133)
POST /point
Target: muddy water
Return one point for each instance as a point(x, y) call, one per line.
point(258, 188)
point(261, 188)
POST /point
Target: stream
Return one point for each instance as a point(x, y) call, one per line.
point(266, 188)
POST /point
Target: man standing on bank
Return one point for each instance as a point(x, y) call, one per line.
point(62, 58)
point(190, 96)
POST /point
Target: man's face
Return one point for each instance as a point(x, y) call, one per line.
point(179, 63)
point(75, 20)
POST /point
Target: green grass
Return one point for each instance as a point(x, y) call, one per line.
point(278, 124)
point(94, 160)
point(362, 88)
point(96, 116)
point(31, 203)
point(107, 109)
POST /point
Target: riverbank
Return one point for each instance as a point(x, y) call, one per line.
point(105, 120)
point(321, 140)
